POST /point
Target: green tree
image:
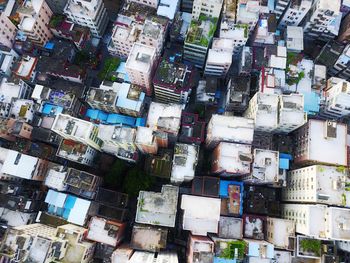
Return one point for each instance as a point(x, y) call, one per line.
point(110, 65)
point(135, 181)
point(115, 177)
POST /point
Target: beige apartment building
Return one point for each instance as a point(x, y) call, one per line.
point(128, 31)
point(33, 20)
point(141, 65)
point(88, 13)
point(7, 30)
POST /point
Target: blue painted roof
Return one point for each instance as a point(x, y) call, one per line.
point(51, 109)
point(284, 163)
point(120, 119)
point(121, 69)
point(49, 45)
point(217, 94)
point(96, 115)
point(113, 118)
point(70, 201)
point(224, 187)
point(141, 122)
point(224, 260)
point(311, 102)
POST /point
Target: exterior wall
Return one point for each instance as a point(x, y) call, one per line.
point(7, 31)
point(166, 95)
point(57, 6)
point(151, 3)
point(186, 6)
point(217, 69)
point(280, 6)
point(281, 233)
point(341, 67)
point(195, 54)
point(344, 32)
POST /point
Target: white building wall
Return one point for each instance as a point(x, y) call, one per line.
point(210, 8)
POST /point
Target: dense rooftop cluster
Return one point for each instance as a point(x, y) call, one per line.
point(171, 131)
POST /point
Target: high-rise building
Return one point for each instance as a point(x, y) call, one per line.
point(322, 142)
point(318, 221)
point(276, 113)
point(33, 20)
point(263, 108)
point(280, 6)
point(173, 81)
point(89, 13)
point(293, 13)
point(318, 184)
point(218, 62)
point(281, 233)
point(77, 130)
point(140, 66)
point(47, 244)
point(323, 21)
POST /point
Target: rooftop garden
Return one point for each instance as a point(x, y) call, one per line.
point(310, 247)
point(245, 27)
point(230, 251)
point(292, 76)
point(201, 31)
point(56, 20)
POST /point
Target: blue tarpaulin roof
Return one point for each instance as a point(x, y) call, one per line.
point(51, 109)
point(49, 45)
point(141, 122)
point(113, 118)
point(286, 156)
point(120, 119)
